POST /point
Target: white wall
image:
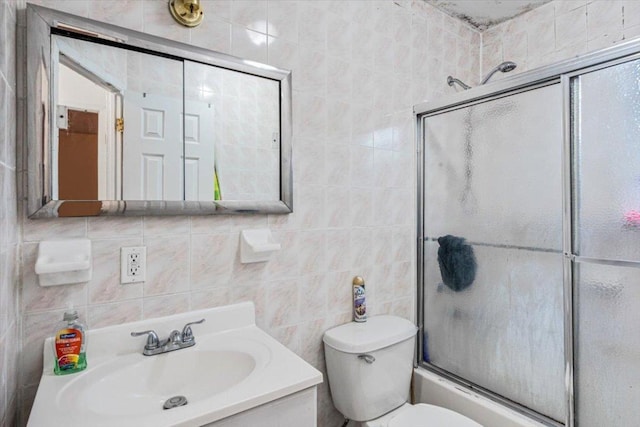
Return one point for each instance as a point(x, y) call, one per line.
point(358, 68)
point(559, 30)
point(9, 222)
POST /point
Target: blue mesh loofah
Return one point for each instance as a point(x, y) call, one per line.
point(457, 262)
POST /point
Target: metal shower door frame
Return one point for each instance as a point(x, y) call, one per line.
point(564, 73)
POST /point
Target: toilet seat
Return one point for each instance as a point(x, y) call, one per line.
point(424, 415)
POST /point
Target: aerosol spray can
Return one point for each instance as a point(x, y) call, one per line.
point(359, 301)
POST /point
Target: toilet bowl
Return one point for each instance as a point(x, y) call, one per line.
point(421, 415)
point(369, 368)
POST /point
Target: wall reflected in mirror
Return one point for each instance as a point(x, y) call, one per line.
point(232, 142)
point(136, 126)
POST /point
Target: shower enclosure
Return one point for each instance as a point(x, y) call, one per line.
point(540, 174)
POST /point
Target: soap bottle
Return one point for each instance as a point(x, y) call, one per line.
point(69, 345)
point(359, 300)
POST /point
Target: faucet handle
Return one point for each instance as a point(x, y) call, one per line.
point(153, 341)
point(187, 333)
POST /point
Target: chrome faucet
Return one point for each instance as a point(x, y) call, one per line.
point(177, 340)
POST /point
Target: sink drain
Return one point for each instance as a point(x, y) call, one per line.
point(174, 402)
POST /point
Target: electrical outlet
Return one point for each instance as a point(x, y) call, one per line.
point(133, 264)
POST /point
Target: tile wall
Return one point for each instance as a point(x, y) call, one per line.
point(560, 30)
point(358, 68)
point(9, 223)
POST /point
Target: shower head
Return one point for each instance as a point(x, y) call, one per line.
point(452, 80)
point(505, 67)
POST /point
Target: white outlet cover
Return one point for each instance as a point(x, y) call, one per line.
point(136, 271)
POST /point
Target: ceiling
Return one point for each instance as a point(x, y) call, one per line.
point(482, 14)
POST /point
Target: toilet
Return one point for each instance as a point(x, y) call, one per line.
point(369, 366)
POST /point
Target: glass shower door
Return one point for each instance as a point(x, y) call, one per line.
point(493, 176)
point(606, 156)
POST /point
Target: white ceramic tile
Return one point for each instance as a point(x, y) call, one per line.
point(209, 298)
point(75, 7)
point(124, 13)
point(338, 119)
point(101, 227)
point(211, 256)
point(312, 252)
point(311, 342)
point(361, 201)
point(111, 314)
point(604, 18)
point(282, 53)
point(311, 113)
point(59, 228)
point(283, 20)
point(338, 250)
point(515, 46)
point(604, 41)
point(310, 166)
point(220, 9)
point(631, 33)
point(631, 13)
point(248, 44)
point(337, 207)
point(312, 209)
point(285, 263)
point(565, 6)
point(361, 166)
point(402, 278)
point(167, 265)
point(312, 72)
point(339, 292)
point(339, 37)
point(162, 226)
point(402, 248)
point(250, 14)
point(540, 27)
point(361, 247)
point(165, 305)
point(380, 281)
point(571, 27)
point(212, 224)
point(214, 34)
point(283, 298)
point(247, 274)
point(254, 293)
point(312, 24)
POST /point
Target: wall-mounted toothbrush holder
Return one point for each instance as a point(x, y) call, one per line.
point(257, 245)
point(63, 262)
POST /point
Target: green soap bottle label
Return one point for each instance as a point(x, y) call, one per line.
point(67, 347)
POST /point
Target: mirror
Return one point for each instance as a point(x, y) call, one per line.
point(124, 123)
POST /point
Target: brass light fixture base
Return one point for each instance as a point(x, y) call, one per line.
point(186, 12)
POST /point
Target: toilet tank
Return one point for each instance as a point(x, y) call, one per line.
point(369, 365)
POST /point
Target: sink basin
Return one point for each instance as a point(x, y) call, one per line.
point(233, 368)
point(136, 385)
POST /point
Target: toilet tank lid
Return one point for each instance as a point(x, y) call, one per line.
point(376, 333)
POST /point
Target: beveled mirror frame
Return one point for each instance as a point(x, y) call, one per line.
point(41, 24)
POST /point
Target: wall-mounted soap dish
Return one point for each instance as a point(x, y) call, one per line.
point(257, 245)
point(62, 262)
